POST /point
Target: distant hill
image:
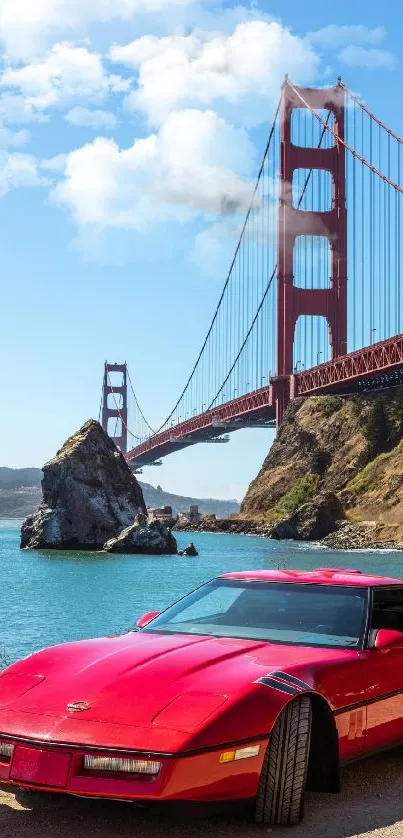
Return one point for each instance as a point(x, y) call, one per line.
point(20, 493)
point(13, 478)
point(207, 506)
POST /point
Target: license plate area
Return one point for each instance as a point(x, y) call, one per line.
point(40, 767)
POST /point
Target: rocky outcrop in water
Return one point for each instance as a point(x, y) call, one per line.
point(190, 550)
point(209, 523)
point(153, 538)
point(89, 495)
point(311, 521)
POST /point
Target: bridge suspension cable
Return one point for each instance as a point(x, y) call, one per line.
point(232, 306)
point(345, 144)
point(269, 284)
point(239, 350)
point(147, 424)
point(239, 353)
point(365, 108)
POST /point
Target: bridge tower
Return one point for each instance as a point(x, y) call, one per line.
point(293, 301)
point(114, 405)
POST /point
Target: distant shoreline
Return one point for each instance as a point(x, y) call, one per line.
point(20, 495)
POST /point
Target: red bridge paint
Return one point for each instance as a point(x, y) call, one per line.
point(332, 377)
point(383, 357)
point(238, 413)
point(293, 302)
point(345, 372)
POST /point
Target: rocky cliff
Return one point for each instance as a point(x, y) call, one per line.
point(89, 495)
point(349, 447)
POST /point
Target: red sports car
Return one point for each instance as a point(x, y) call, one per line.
point(251, 688)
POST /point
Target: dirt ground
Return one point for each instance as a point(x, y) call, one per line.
point(370, 805)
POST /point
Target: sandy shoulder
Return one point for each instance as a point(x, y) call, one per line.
point(371, 804)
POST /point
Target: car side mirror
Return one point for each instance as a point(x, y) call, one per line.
point(388, 639)
point(151, 615)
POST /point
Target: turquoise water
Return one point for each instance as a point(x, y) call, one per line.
point(48, 597)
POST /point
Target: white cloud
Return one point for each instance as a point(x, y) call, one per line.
point(55, 164)
point(334, 36)
point(119, 85)
point(16, 108)
point(27, 25)
point(65, 73)
point(195, 164)
point(19, 170)
point(13, 139)
point(369, 59)
point(87, 118)
point(245, 69)
point(214, 247)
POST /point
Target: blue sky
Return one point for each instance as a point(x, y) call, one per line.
point(123, 125)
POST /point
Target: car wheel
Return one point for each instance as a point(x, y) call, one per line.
point(281, 790)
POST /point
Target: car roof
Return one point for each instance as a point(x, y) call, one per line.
point(318, 576)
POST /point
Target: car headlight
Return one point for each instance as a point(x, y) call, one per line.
point(117, 764)
point(6, 750)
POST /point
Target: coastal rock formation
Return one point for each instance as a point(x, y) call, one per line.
point(311, 521)
point(352, 447)
point(360, 536)
point(154, 538)
point(89, 495)
point(190, 550)
point(236, 525)
point(319, 447)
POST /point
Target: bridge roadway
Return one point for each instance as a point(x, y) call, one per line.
point(378, 365)
point(253, 410)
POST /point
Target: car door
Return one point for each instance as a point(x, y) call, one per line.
point(383, 671)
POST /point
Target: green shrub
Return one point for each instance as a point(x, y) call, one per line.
point(302, 491)
point(331, 405)
point(366, 480)
point(395, 416)
point(383, 427)
point(357, 407)
point(377, 429)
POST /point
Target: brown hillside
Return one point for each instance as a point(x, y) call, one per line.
point(351, 446)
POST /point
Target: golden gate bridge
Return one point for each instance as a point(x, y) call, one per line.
point(312, 303)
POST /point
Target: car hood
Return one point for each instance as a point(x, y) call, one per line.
point(128, 679)
point(140, 680)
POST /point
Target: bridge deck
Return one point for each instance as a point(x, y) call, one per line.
point(254, 409)
point(352, 369)
point(345, 374)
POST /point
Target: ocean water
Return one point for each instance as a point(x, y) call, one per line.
point(49, 597)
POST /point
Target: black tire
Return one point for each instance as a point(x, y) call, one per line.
point(281, 790)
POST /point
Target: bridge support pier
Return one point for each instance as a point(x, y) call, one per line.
point(281, 396)
point(292, 301)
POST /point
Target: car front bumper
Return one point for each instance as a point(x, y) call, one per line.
point(197, 776)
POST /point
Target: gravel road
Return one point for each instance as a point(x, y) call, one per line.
point(370, 806)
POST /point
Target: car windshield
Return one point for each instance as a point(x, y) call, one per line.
point(295, 613)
